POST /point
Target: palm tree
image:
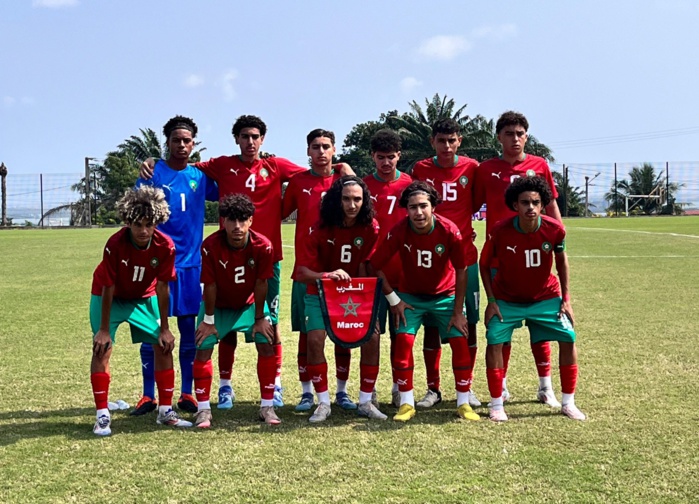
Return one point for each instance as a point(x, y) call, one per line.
point(144, 146)
point(643, 181)
point(571, 200)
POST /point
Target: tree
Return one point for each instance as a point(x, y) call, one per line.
point(644, 181)
point(571, 200)
point(415, 127)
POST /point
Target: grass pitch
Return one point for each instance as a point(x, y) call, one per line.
point(635, 291)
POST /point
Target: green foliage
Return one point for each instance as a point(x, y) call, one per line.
point(415, 128)
point(571, 200)
point(211, 212)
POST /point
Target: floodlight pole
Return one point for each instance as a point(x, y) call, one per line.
point(88, 190)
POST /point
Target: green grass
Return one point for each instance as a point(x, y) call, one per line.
point(635, 289)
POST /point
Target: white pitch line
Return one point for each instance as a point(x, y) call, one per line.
point(633, 257)
point(635, 231)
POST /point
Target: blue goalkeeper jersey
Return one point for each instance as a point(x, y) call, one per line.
point(185, 191)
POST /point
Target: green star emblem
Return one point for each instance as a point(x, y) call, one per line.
point(264, 173)
point(154, 262)
point(546, 247)
point(193, 185)
point(439, 249)
point(358, 241)
point(251, 262)
point(463, 180)
point(531, 173)
point(350, 307)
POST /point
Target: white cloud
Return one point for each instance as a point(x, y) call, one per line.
point(55, 4)
point(499, 32)
point(444, 47)
point(409, 83)
point(8, 101)
point(229, 77)
point(193, 80)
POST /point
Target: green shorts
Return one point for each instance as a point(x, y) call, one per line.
point(273, 292)
point(298, 304)
point(430, 311)
point(541, 318)
point(473, 294)
point(142, 315)
point(314, 315)
point(228, 320)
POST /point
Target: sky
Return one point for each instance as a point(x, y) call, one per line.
point(600, 82)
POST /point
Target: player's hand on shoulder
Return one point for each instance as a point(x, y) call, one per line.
point(146, 169)
point(265, 155)
point(204, 331)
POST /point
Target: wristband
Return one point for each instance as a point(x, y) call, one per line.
point(566, 298)
point(491, 299)
point(393, 298)
point(209, 319)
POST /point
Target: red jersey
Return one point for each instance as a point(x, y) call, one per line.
point(455, 184)
point(235, 271)
point(386, 196)
point(331, 248)
point(133, 271)
point(427, 260)
point(304, 192)
point(262, 181)
point(493, 177)
point(524, 260)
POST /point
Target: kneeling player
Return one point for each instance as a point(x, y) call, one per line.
point(525, 289)
point(338, 248)
point(131, 285)
point(432, 289)
point(236, 264)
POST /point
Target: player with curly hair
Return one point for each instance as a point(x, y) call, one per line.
point(525, 290)
point(131, 285)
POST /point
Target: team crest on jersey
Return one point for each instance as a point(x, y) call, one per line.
point(463, 180)
point(193, 185)
point(358, 242)
point(531, 173)
point(439, 249)
point(546, 247)
point(154, 262)
point(264, 173)
point(251, 262)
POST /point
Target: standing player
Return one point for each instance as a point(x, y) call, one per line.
point(303, 194)
point(492, 179)
point(337, 248)
point(452, 176)
point(131, 285)
point(261, 180)
point(525, 290)
point(237, 263)
point(431, 292)
point(385, 186)
point(186, 189)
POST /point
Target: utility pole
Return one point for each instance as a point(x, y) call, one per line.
point(587, 193)
point(88, 191)
point(3, 189)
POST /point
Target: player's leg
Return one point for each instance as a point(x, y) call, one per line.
point(384, 321)
point(203, 370)
point(499, 333)
point(317, 365)
point(506, 351)
point(147, 402)
point(542, 358)
point(472, 303)
point(368, 373)
point(226, 359)
point(343, 358)
point(145, 327)
point(273, 291)
point(188, 349)
point(546, 325)
point(100, 376)
point(404, 361)
point(432, 353)
point(298, 324)
point(441, 312)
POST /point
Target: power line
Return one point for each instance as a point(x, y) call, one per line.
point(631, 137)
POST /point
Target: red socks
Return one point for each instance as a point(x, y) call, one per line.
point(165, 380)
point(432, 357)
point(319, 376)
point(277, 360)
point(403, 361)
point(343, 356)
point(266, 372)
point(461, 363)
point(495, 377)
point(226, 357)
point(203, 375)
point(367, 377)
point(542, 357)
point(100, 389)
point(569, 378)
